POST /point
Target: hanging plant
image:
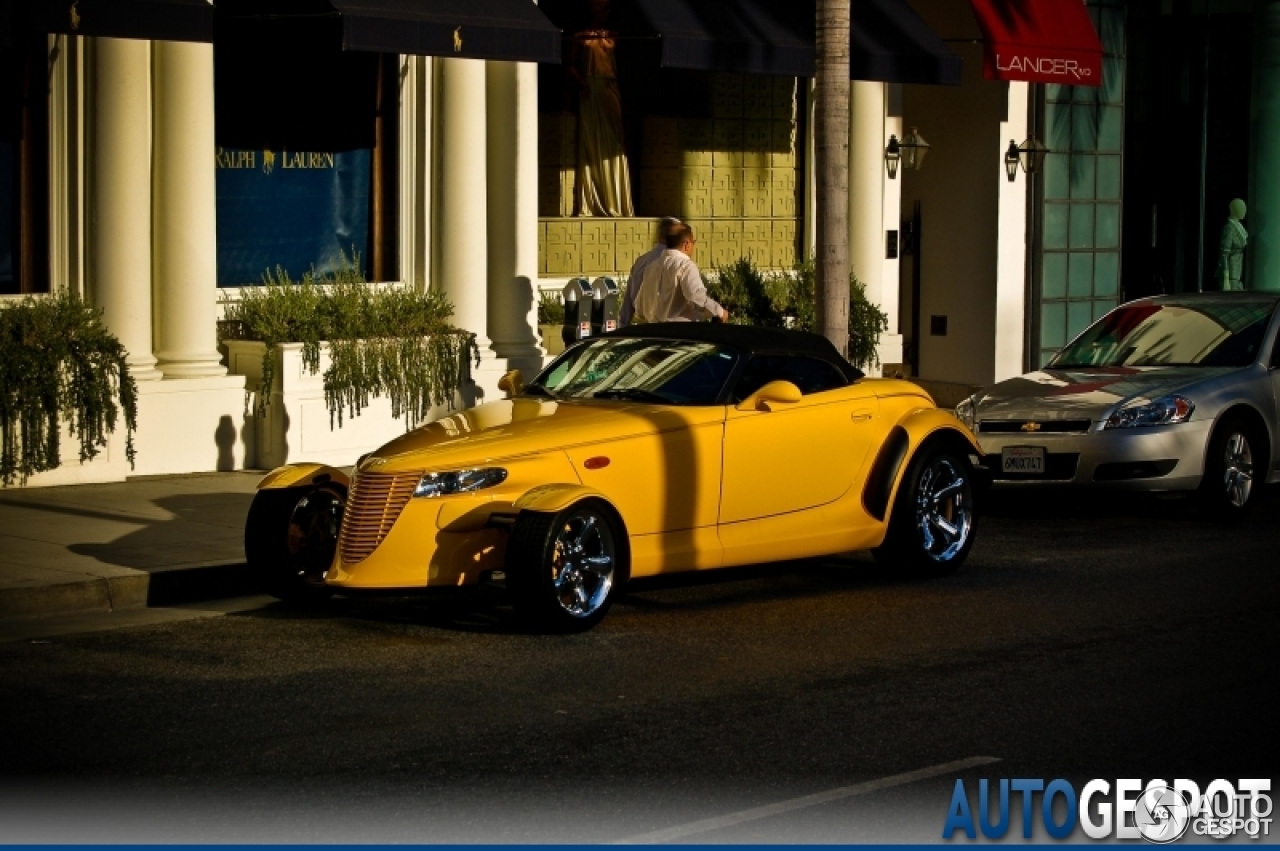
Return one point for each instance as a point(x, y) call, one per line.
point(382, 341)
point(58, 363)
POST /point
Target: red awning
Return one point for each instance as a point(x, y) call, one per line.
point(1040, 41)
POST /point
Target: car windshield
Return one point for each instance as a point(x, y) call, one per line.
point(1211, 333)
point(669, 372)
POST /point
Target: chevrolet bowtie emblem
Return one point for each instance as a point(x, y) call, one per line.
point(1031, 426)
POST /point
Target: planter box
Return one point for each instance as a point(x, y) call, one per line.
point(296, 425)
point(551, 339)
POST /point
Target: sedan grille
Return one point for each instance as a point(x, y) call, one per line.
point(1033, 426)
point(375, 501)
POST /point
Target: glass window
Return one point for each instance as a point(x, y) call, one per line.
point(809, 374)
point(1191, 334)
point(1055, 275)
point(1080, 274)
point(631, 369)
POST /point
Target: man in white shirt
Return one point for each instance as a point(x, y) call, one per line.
point(628, 313)
point(672, 288)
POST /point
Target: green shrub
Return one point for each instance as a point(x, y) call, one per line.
point(788, 299)
point(58, 362)
point(382, 341)
point(550, 308)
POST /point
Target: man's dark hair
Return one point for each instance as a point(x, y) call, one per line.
point(678, 235)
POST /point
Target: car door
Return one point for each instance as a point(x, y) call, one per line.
point(799, 455)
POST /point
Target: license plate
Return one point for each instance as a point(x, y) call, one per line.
point(1027, 460)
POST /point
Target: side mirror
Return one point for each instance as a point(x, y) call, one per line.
point(512, 383)
point(772, 396)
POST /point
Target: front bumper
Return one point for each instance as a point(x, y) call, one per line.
point(1159, 458)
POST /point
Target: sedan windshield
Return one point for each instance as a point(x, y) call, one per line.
point(1209, 333)
point(669, 372)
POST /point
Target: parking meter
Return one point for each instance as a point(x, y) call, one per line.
point(577, 311)
point(604, 306)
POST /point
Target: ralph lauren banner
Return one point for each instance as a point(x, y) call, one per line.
point(293, 209)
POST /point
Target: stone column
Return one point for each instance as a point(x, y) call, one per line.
point(462, 198)
point(867, 175)
point(1262, 257)
point(120, 193)
point(512, 115)
point(184, 253)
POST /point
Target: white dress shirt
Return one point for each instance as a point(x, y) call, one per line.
point(672, 291)
point(633, 283)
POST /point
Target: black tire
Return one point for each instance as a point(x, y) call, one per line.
point(290, 538)
point(1229, 488)
point(931, 535)
point(553, 593)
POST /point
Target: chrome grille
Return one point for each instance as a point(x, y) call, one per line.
point(375, 501)
point(1039, 426)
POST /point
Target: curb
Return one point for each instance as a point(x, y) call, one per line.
point(171, 587)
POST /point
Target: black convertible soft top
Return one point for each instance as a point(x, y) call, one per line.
point(746, 338)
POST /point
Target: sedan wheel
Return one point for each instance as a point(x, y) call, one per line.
point(934, 518)
point(563, 569)
point(1232, 460)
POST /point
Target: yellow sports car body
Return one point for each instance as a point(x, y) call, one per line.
point(651, 450)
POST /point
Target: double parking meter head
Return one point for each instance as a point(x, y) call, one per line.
point(577, 311)
point(604, 306)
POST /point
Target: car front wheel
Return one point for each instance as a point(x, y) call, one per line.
point(564, 569)
point(291, 537)
point(933, 522)
point(1229, 488)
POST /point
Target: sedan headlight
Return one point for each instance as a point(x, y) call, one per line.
point(460, 481)
point(967, 412)
point(1163, 411)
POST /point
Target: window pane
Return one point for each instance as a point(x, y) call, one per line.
point(1084, 94)
point(1080, 276)
point(1057, 178)
point(1111, 30)
point(1082, 175)
point(1057, 126)
point(1084, 128)
point(1110, 128)
point(1054, 92)
point(1108, 226)
point(1081, 226)
point(1055, 225)
point(1112, 80)
point(1106, 273)
point(1101, 306)
point(1079, 317)
point(1053, 324)
point(1054, 275)
point(1108, 182)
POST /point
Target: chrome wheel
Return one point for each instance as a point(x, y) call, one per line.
point(943, 509)
point(582, 566)
point(313, 535)
point(1237, 465)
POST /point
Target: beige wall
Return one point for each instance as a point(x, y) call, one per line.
point(959, 190)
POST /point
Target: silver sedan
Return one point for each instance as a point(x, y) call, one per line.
point(1173, 393)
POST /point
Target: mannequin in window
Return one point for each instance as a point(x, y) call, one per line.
point(1231, 255)
point(603, 179)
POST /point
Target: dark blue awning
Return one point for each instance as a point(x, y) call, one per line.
point(889, 42)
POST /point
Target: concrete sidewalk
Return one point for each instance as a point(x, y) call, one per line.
point(149, 541)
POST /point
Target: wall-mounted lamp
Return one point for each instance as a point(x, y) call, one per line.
point(1030, 155)
point(892, 154)
point(910, 152)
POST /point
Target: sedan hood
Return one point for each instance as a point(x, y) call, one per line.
point(527, 426)
point(1076, 394)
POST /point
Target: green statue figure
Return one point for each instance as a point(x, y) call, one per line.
point(1231, 256)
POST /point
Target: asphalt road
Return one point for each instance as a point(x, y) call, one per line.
point(1083, 639)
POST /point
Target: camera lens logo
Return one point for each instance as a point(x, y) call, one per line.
point(1161, 814)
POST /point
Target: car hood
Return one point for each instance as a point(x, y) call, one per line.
point(523, 426)
point(1068, 394)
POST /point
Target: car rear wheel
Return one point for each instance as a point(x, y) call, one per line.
point(563, 570)
point(934, 519)
point(290, 539)
point(1228, 488)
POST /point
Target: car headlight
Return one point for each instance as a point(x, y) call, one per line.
point(1163, 411)
point(459, 481)
point(967, 412)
